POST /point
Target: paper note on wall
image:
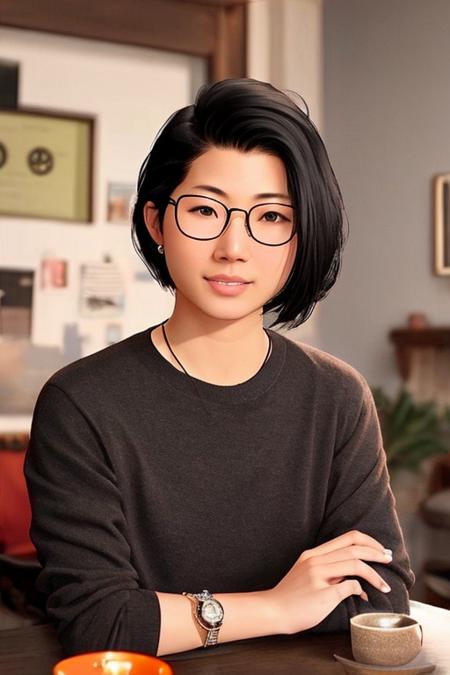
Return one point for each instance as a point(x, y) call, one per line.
point(102, 293)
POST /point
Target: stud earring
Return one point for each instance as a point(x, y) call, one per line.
point(161, 249)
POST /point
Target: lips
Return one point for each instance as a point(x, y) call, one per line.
point(227, 286)
point(222, 278)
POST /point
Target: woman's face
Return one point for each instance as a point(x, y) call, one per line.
point(239, 176)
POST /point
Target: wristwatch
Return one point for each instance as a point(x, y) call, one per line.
point(208, 615)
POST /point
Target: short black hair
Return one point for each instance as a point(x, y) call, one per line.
point(248, 114)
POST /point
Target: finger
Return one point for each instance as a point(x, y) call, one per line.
point(352, 538)
point(353, 568)
point(363, 595)
point(335, 594)
point(354, 553)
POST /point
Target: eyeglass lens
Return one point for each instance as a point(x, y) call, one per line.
point(204, 218)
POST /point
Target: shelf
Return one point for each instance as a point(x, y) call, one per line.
point(408, 339)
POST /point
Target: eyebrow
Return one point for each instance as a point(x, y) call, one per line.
point(261, 195)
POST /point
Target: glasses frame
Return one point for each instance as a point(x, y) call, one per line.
point(229, 212)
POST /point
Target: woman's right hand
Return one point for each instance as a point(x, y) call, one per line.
point(315, 584)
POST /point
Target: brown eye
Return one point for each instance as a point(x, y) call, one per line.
point(273, 213)
point(209, 209)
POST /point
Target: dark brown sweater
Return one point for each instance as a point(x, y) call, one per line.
point(138, 485)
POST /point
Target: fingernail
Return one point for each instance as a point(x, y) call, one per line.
point(387, 553)
point(365, 596)
point(385, 588)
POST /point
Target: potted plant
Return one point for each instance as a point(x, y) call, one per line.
point(413, 434)
point(412, 431)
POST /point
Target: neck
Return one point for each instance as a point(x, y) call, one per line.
point(219, 351)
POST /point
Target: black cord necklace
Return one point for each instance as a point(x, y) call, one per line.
point(193, 379)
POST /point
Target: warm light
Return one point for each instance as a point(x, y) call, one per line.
point(385, 622)
point(113, 667)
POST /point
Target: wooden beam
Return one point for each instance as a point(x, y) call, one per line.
point(228, 58)
point(211, 29)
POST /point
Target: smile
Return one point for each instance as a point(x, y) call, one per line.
point(228, 288)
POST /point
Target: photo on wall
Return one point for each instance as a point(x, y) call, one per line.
point(16, 300)
point(53, 272)
point(442, 224)
point(120, 198)
point(46, 161)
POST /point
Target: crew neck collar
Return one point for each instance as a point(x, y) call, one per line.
point(233, 394)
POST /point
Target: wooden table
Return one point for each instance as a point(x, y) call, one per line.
point(34, 650)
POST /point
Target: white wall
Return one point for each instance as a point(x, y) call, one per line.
point(285, 47)
point(387, 107)
point(131, 92)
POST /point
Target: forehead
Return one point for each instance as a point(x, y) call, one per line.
point(237, 173)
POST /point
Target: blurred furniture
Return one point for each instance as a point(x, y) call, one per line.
point(15, 511)
point(423, 360)
point(407, 340)
point(20, 603)
point(435, 511)
point(440, 475)
point(34, 650)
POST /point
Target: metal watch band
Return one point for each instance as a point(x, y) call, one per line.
point(211, 638)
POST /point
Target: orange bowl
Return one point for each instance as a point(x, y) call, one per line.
point(112, 663)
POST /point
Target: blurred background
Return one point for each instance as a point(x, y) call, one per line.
point(85, 88)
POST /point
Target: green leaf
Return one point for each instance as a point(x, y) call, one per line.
point(402, 409)
point(411, 431)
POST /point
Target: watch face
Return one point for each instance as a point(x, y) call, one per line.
point(212, 612)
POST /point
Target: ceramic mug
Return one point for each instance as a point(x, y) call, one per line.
point(385, 638)
point(112, 663)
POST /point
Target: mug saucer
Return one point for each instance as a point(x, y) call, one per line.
point(355, 668)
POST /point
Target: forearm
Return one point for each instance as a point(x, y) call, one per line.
point(246, 615)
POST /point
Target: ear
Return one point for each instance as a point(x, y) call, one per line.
point(151, 218)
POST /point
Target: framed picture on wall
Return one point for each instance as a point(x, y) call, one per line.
point(120, 196)
point(46, 164)
point(442, 224)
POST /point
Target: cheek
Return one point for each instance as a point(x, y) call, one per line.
point(184, 257)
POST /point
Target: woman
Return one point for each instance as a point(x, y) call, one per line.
point(208, 453)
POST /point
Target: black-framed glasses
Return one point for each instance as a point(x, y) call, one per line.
point(204, 218)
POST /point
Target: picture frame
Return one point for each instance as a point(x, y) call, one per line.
point(46, 164)
point(441, 190)
point(119, 205)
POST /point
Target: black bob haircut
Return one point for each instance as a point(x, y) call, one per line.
point(248, 114)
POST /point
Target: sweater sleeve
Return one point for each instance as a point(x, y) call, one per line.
point(360, 498)
point(80, 533)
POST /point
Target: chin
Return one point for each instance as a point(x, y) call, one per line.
point(230, 313)
point(226, 309)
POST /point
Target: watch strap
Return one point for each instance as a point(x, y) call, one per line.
point(210, 636)
point(201, 631)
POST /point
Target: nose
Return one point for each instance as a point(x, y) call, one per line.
point(234, 242)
